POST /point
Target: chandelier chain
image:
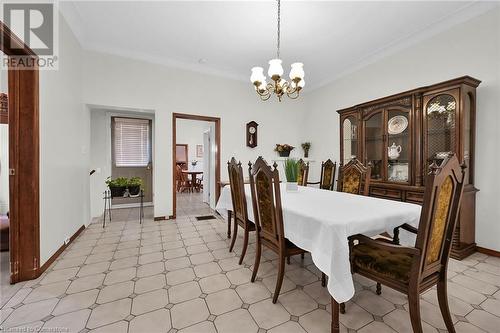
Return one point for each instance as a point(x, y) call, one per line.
point(279, 30)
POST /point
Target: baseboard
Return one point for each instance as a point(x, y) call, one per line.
point(49, 262)
point(131, 205)
point(489, 252)
point(164, 218)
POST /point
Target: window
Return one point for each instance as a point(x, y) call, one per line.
point(132, 145)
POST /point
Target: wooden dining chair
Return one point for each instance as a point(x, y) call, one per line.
point(413, 270)
point(303, 172)
point(268, 216)
point(183, 182)
point(327, 177)
point(240, 215)
point(354, 178)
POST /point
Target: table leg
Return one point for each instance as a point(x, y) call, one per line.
point(193, 182)
point(229, 213)
point(335, 316)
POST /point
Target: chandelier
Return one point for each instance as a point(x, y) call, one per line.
point(278, 86)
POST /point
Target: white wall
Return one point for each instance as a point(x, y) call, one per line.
point(119, 82)
point(64, 144)
point(190, 132)
point(471, 48)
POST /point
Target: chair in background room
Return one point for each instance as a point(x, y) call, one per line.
point(303, 172)
point(240, 214)
point(268, 216)
point(413, 270)
point(327, 177)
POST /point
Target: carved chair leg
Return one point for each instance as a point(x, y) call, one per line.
point(443, 304)
point(379, 289)
point(302, 256)
point(235, 233)
point(414, 307)
point(229, 213)
point(342, 308)
point(279, 281)
point(335, 317)
point(245, 245)
point(288, 260)
point(323, 279)
point(256, 264)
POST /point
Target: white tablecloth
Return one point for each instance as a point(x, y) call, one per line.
point(320, 221)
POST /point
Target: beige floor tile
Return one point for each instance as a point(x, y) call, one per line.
point(201, 258)
point(109, 313)
point(223, 301)
point(68, 263)
point(99, 257)
point(492, 305)
point(483, 276)
point(319, 293)
point(92, 269)
point(318, 321)
point(239, 276)
point(120, 275)
point(253, 292)
point(229, 264)
point(76, 302)
point(30, 312)
point(376, 327)
point(475, 284)
point(236, 321)
point(177, 263)
point(203, 327)
point(457, 306)
point(72, 322)
point(150, 301)
point(150, 269)
point(462, 327)
point(208, 269)
point(118, 327)
point(297, 302)
point(150, 257)
point(59, 275)
point(28, 327)
point(18, 297)
point(288, 327)
point(267, 314)
point(188, 313)
point(153, 322)
point(484, 320)
point(115, 292)
point(399, 320)
point(123, 263)
point(184, 292)
point(180, 276)
point(85, 283)
point(174, 253)
point(301, 276)
point(47, 291)
point(355, 316)
point(465, 294)
point(270, 283)
point(150, 283)
point(373, 303)
point(214, 283)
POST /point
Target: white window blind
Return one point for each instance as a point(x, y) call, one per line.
point(131, 142)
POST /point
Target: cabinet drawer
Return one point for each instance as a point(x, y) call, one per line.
point(417, 197)
point(386, 192)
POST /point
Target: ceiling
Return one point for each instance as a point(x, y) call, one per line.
point(229, 37)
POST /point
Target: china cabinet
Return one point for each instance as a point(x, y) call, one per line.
point(399, 136)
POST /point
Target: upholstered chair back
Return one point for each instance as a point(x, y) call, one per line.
point(354, 178)
point(303, 173)
point(266, 199)
point(235, 172)
point(442, 197)
point(327, 179)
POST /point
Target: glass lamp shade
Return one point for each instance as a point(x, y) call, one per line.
point(257, 75)
point(275, 68)
point(297, 70)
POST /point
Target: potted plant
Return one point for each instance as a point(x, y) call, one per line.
point(284, 149)
point(134, 185)
point(291, 172)
point(306, 146)
point(117, 186)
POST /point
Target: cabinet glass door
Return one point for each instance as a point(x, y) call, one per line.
point(374, 144)
point(350, 139)
point(398, 145)
point(441, 127)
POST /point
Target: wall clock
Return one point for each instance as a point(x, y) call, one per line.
point(252, 134)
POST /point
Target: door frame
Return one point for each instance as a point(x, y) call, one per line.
point(24, 141)
point(216, 121)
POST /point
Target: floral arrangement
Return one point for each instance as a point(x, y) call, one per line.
point(284, 149)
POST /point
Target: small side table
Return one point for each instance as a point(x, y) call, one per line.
point(107, 206)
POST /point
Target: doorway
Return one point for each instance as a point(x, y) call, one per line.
point(23, 158)
point(195, 164)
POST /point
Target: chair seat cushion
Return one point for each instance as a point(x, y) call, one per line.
point(382, 262)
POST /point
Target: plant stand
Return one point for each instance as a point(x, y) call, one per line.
point(107, 206)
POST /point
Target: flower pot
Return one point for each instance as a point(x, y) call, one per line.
point(117, 191)
point(284, 153)
point(292, 187)
point(134, 190)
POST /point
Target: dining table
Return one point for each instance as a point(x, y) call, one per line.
point(320, 222)
point(194, 174)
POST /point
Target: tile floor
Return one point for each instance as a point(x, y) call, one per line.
point(178, 276)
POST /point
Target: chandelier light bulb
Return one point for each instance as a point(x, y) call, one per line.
point(257, 75)
point(275, 68)
point(297, 71)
